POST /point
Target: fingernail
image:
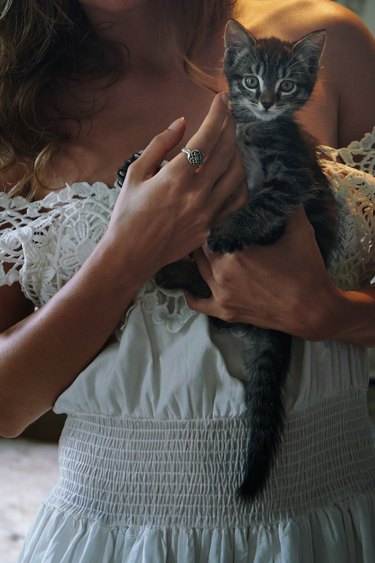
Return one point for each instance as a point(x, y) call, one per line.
point(176, 123)
point(224, 98)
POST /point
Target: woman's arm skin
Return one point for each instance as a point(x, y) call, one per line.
point(342, 106)
point(351, 62)
point(157, 219)
point(347, 71)
point(285, 287)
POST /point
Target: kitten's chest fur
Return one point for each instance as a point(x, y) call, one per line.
point(268, 149)
point(251, 156)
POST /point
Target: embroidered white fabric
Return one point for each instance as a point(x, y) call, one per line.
point(43, 243)
point(351, 173)
point(150, 455)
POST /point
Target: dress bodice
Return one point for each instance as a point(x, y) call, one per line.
point(151, 451)
point(45, 242)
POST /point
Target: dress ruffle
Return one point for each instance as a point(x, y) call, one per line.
point(342, 533)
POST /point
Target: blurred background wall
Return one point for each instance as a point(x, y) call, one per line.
point(364, 8)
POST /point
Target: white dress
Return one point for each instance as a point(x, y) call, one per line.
point(151, 452)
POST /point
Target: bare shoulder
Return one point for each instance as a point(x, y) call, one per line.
point(346, 30)
point(349, 40)
point(349, 62)
point(347, 65)
point(328, 12)
point(347, 77)
point(290, 19)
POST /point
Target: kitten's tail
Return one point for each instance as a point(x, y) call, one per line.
point(267, 363)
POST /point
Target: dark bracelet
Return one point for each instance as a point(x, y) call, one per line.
point(121, 172)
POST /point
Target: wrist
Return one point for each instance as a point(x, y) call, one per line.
point(121, 267)
point(346, 316)
point(317, 313)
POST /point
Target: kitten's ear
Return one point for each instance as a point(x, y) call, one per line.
point(237, 37)
point(311, 46)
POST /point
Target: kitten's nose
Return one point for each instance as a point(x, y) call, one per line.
point(266, 104)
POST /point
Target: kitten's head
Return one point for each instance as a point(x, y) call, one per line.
point(269, 77)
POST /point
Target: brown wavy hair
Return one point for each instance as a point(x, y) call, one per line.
point(44, 45)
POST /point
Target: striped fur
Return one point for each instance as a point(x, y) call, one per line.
point(282, 173)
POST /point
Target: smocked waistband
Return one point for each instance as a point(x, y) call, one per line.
point(184, 473)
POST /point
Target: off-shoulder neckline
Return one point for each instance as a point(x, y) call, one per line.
point(62, 195)
point(84, 189)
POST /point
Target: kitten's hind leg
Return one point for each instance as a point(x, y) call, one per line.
point(183, 274)
point(266, 362)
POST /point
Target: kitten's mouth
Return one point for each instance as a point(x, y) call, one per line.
point(265, 114)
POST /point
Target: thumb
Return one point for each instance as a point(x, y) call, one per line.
point(297, 219)
point(201, 305)
point(160, 145)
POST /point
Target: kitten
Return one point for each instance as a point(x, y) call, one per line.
point(268, 80)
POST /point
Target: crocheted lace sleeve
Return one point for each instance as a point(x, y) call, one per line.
point(351, 172)
point(43, 243)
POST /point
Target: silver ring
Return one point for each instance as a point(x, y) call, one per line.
point(194, 156)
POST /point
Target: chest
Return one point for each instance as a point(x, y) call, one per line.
point(320, 115)
point(128, 119)
point(132, 113)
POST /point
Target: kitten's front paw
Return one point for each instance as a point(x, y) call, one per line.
point(222, 240)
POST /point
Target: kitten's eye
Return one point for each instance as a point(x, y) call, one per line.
point(250, 82)
point(287, 86)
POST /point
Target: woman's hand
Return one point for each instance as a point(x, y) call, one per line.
point(283, 286)
point(168, 213)
point(157, 219)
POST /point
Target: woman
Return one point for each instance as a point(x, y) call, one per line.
point(149, 455)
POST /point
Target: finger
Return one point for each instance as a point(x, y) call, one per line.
point(209, 132)
point(204, 266)
point(298, 225)
point(230, 192)
point(205, 306)
point(232, 204)
point(155, 152)
point(210, 254)
point(299, 217)
point(223, 154)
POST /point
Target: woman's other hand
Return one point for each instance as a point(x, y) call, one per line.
point(283, 286)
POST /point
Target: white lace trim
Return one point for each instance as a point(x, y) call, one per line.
point(351, 172)
point(43, 243)
point(166, 307)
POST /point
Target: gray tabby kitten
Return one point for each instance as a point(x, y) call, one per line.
point(268, 81)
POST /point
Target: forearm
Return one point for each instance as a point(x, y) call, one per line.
point(350, 318)
point(43, 354)
point(285, 287)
